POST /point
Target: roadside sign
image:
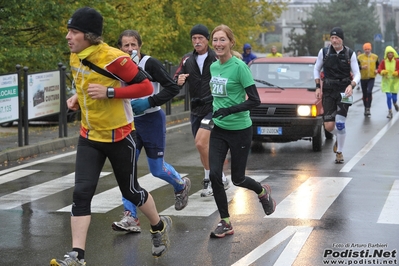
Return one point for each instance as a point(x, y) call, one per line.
point(378, 37)
point(9, 98)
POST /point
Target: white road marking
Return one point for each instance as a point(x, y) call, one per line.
point(348, 166)
point(16, 175)
point(290, 252)
point(390, 211)
point(312, 199)
point(112, 198)
point(52, 158)
point(309, 201)
point(205, 206)
point(30, 194)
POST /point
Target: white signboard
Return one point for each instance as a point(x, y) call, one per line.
point(44, 94)
point(8, 98)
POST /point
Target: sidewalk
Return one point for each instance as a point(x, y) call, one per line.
point(44, 138)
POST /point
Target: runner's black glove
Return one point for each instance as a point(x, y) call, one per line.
point(222, 112)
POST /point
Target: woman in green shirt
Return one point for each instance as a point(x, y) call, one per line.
point(231, 83)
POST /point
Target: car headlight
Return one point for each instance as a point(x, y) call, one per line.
point(307, 110)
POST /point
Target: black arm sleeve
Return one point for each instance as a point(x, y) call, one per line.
point(252, 101)
point(159, 74)
point(208, 99)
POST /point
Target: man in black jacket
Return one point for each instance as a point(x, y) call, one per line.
point(194, 68)
point(338, 62)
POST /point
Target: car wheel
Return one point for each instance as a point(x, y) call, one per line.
point(317, 140)
point(7, 124)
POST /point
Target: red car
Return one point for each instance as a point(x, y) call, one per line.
point(289, 110)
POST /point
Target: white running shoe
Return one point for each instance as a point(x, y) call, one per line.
point(207, 190)
point(128, 223)
point(226, 184)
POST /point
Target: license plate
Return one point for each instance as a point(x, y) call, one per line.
point(270, 130)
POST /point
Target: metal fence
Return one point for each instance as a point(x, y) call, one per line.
point(19, 102)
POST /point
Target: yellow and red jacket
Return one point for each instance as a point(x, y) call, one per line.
point(106, 120)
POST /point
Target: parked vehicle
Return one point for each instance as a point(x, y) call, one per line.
point(289, 110)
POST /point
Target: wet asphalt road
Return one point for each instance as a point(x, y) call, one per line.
point(327, 213)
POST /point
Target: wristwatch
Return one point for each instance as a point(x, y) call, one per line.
point(110, 92)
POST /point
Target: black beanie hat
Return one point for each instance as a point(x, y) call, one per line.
point(86, 20)
point(337, 31)
point(200, 29)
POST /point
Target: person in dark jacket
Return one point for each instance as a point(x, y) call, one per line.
point(194, 69)
point(248, 56)
point(338, 64)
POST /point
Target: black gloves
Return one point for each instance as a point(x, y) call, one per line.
point(222, 112)
point(195, 102)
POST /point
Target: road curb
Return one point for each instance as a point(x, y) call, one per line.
point(38, 148)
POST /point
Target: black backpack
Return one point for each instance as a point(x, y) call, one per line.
point(348, 54)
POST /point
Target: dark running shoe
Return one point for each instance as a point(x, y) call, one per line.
point(181, 198)
point(268, 204)
point(222, 230)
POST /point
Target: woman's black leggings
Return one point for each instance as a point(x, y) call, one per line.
point(239, 143)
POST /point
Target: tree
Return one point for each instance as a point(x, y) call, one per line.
point(32, 37)
point(338, 13)
point(35, 37)
point(390, 33)
point(304, 44)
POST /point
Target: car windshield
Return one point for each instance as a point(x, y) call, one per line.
point(285, 75)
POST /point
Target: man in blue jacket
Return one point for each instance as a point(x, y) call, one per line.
point(248, 56)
